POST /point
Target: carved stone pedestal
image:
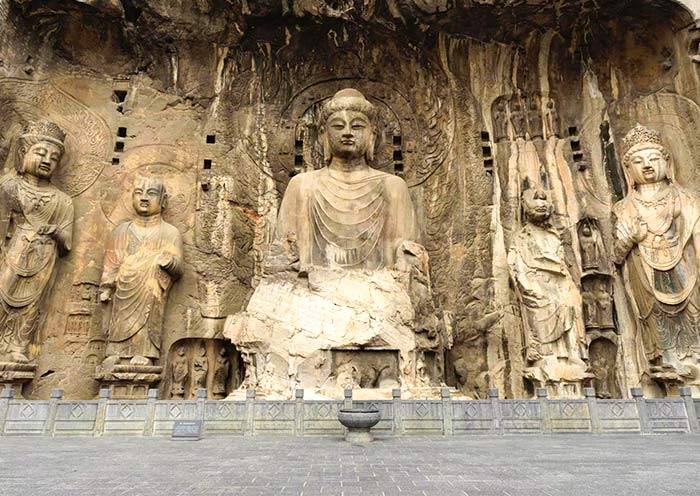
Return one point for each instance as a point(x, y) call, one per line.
point(128, 381)
point(561, 378)
point(671, 381)
point(16, 375)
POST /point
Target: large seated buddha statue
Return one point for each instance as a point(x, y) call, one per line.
point(345, 299)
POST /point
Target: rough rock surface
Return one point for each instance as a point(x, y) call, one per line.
point(219, 97)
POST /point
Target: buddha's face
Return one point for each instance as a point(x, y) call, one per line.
point(41, 159)
point(147, 197)
point(537, 206)
point(648, 166)
point(349, 134)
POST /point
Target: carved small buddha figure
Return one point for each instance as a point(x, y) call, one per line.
point(658, 242)
point(545, 287)
point(36, 225)
point(142, 260)
point(590, 254)
point(347, 214)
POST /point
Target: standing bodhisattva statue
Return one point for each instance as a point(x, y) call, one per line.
point(36, 224)
point(658, 241)
point(143, 258)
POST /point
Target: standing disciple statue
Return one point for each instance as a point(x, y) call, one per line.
point(658, 242)
point(36, 224)
point(142, 260)
point(554, 336)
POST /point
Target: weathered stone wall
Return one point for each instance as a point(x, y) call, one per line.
point(219, 98)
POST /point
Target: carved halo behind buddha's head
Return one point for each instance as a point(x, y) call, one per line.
point(348, 127)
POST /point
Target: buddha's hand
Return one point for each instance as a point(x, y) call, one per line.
point(47, 229)
point(105, 294)
point(411, 254)
point(165, 261)
point(631, 232)
point(639, 231)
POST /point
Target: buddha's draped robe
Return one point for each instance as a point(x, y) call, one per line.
point(27, 259)
point(347, 220)
point(662, 270)
point(140, 285)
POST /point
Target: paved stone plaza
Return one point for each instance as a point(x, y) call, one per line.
point(563, 465)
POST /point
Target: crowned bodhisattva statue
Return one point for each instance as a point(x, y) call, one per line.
point(143, 258)
point(345, 270)
point(36, 225)
point(658, 244)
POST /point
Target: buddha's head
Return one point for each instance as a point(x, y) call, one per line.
point(347, 126)
point(536, 205)
point(149, 196)
point(646, 160)
point(39, 149)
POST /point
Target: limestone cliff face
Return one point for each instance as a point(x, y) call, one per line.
point(476, 99)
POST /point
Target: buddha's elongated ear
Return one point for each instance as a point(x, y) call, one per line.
point(326, 145)
point(369, 154)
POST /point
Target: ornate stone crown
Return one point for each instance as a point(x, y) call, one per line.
point(641, 135)
point(45, 130)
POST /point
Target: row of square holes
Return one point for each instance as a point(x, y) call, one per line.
point(120, 97)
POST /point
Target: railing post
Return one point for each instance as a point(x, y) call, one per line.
point(398, 414)
point(593, 413)
point(249, 412)
point(446, 412)
point(6, 395)
point(101, 415)
point(149, 425)
point(690, 411)
point(638, 395)
point(545, 418)
point(347, 402)
point(56, 395)
point(298, 412)
point(496, 414)
point(201, 398)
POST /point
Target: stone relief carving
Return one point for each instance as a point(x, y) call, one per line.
point(522, 115)
point(602, 364)
point(143, 258)
point(263, 109)
point(657, 243)
point(554, 337)
point(343, 260)
point(180, 371)
point(37, 229)
point(195, 363)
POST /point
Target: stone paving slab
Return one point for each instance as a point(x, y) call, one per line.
point(561, 465)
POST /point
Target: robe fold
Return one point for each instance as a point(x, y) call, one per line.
point(140, 286)
point(27, 259)
point(349, 221)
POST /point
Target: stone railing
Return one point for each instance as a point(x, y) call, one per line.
point(299, 417)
